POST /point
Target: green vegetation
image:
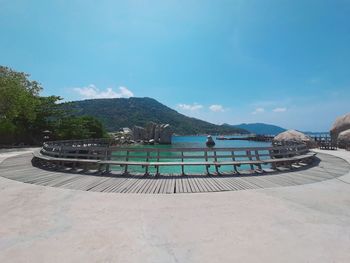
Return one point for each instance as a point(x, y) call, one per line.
point(25, 115)
point(119, 113)
point(84, 127)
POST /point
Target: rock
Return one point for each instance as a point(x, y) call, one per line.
point(165, 134)
point(150, 130)
point(342, 123)
point(127, 130)
point(139, 133)
point(344, 139)
point(292, 136)
point(157, 133)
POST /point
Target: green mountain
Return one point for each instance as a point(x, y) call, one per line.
point(121, 112)
point(260, 128)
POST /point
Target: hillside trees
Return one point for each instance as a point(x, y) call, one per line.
point(24, 114)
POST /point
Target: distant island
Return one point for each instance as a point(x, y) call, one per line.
point(118, 113)
point(260, 128)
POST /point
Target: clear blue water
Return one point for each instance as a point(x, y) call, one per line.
point(199, 141)
point(184, 142)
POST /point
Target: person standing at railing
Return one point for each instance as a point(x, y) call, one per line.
point(210, 142)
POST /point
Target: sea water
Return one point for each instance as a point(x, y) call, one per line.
point(184, 142)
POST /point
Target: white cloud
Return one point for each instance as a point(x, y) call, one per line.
point(216, 108)
point(279, 109)
point(125, 92)
point(190, 107)
point(92, 92)
point(258, 110)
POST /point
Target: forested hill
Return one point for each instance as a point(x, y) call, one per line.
point(120, 112)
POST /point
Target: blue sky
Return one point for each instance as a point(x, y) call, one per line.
point(275, 61)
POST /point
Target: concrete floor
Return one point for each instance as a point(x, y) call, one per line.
point(307, 223)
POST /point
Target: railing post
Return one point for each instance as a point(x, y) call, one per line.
point(292, 151)
point(86, 165)
point(147, 160)
point(206, 159)
point(108, 155)
point(249, 155)
point(234, 159)
point(216, 165)
point(126, 159)
point(75, 162)
point(272, 156)
point(157, 166)
point(60, 155)
point(257, 157)
point(182, 166)
point(100, 165)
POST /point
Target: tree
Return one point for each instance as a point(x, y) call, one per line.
point(24, 115)
point(18, 102)
point(73, 127)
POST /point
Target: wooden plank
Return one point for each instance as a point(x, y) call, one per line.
point(55, 179)
point(210, 185)
point(192, 184)
point(178, 185)
point(164, 185)
point(159, 185)
point(200, 186)
point(140, 186)
point(103, 185)
point(156, 185)
point(152, 187)
point(128, 184)
point(242, 183)
point(171, 187)
point(145, 185)
point(232, 184)
point(219, 183)
point(185, 186)
point(117, 185)
point(135, 186)
point(149, 187)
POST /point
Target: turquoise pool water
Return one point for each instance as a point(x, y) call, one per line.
point(184, 142)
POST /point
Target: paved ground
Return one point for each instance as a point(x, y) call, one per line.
point(306, 223)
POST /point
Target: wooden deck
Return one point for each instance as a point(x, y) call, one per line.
point(20, 168)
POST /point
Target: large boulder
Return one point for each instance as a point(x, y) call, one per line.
point(166, 133)
point(150, 130)
point(139, 133)
point(344, 139)
point(127, 130)
point(342, 123)
point(293, 136)
point(157, 133)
